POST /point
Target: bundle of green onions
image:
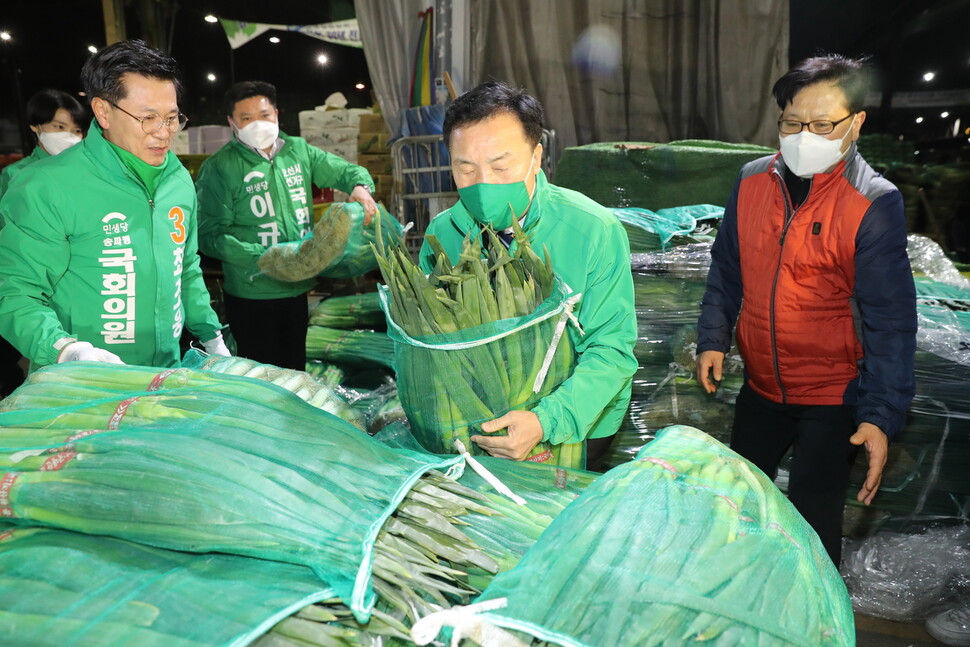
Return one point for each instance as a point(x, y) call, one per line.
point(349, 346)
point(300, 383)
point(471, 338)
point(184, 460)
point(349, 312)
point(479, 289)
point(324, 373)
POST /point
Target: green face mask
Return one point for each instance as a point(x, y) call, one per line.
point(495, 204)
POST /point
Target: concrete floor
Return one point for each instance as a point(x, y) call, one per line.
point(874, 632)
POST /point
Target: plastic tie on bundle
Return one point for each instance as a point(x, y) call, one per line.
point(492, 480)
point(567, 315)
point(466, 624)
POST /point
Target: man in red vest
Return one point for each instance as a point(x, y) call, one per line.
point(813, 243)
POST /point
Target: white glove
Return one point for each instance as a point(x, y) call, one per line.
point(216, 346)
point(82, 351)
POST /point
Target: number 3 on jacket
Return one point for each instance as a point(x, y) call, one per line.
point(176, 214)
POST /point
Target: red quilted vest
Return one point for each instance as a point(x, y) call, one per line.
point(796, 329)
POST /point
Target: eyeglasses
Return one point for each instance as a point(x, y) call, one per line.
point(153, 123)
point(819, 126)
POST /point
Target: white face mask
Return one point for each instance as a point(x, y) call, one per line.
point(58, 142)
point(806, 153)
point(259, 134)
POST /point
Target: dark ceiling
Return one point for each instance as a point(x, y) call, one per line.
point(50, 39)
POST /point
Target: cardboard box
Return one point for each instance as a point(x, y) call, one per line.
point(373, 123)
point(336, 118)
point(328, 136)
point(373, 142)
point(376, 164)
point(347, 152)
point(180, 143)
point(383, 183)
point(205, 140)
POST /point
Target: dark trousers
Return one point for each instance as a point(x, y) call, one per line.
point(821, 456)
point(596, 449)
point(11, 375)
point(271, 331)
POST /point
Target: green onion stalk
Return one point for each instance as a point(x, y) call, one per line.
point(457, 366)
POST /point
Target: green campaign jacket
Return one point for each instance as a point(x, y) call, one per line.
point(591, 253)
point(87, 253)
point(248, 203)
point(9, 171)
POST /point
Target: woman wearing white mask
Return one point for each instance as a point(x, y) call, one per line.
point(813, 243)
point(56, 118)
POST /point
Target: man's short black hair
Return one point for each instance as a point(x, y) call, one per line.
point(245, 90)
point(850, 74)
point(42, 107)
point(490, 99)
point(101, 74)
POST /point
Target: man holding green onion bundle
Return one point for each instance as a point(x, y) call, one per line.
point(493, 134)
point(255, 192)
point(98, 253)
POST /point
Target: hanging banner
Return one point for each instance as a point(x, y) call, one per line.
point(344, 32)
point(422, 77)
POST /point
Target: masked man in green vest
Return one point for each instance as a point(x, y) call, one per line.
point(256, 192)
point(493, 133)
point(98, 254)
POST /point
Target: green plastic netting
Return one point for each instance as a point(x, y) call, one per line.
point(349, 312)
point(545, 489)
point(451, 383)
point(323, 396)
point(656, 176)
point(654, 231)
point(61, 588)
point(338, 247)
point(689, 543)
point(203, 462)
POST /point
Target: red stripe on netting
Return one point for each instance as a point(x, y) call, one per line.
point(115, 420)
point(57, 461)
point(662, 463)
point(157, 382)
point(7, 535)
point(83, 434)
point(6, 484)
point(540, 458)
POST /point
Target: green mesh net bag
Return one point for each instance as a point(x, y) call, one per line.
point(527, 497)
point(450, 383)
point(329, 398)
point(65, 588)
point(202, 462)
point(687, 544)
point(338, 247)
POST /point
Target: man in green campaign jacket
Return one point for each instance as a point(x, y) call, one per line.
point(493, 134)
point(255, 192)
point(98, 256)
